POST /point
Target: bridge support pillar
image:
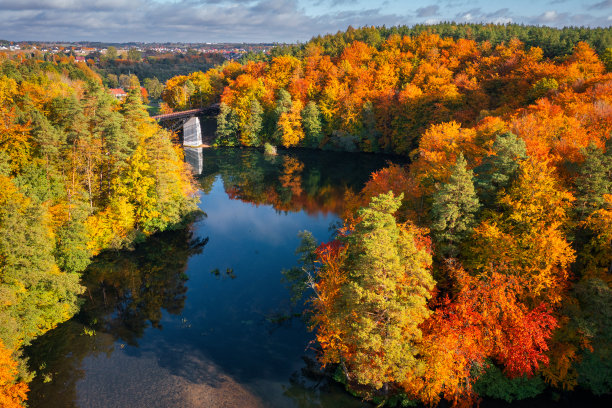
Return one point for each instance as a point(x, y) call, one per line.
point(192, 132)
point(193, 156)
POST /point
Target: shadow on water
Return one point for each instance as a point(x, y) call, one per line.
point(200, 316)
point(125, 294)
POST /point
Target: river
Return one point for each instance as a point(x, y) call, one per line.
point(201, 317)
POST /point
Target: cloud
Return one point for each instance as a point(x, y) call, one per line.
point(63, 5)
point(601, 5)
point(476, 15)
point(181, 20)
point(428, 11)
point(241, 20)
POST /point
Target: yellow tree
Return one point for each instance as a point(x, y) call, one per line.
point(528, 239)
point(289, 126)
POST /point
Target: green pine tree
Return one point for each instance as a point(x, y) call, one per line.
point(252, 131)
point(594, 180)
point(311, 122)
point(385, 297)
point(498, 170)
point(227, 127)
point(454, 208)
point(283, 105)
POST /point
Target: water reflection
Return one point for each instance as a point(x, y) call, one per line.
point(125, 294)
point(296, 180)
point(200, 317)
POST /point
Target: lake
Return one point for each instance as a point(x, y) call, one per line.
point(201, 317)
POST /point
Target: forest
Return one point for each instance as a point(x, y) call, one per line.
point(162, 67)
point(482, 268)
point(80, 173)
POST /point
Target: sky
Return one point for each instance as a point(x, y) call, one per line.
point(283, 21)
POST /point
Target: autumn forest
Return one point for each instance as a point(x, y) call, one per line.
point(480, 268)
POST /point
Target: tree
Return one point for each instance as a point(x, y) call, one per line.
point(289, 126)
point(153, 87)
point(527, 238)
point(594, 180)
point(251, 133)
point(13, 393)
point(37, 295)
point(134, 55)
point(311, 123)
point(499, 169)
point(484, 321)
point(542, 88)
point(227, 127)
point(454, 208)
point(113, 81)
point(606, 58)
point(283, 105)
point(595, 368)
point(111, 53)
point(372, 326)
point(124, 81)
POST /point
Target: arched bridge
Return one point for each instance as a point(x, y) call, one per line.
point(195, 127)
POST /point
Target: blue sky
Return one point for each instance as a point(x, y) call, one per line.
point(268, 20)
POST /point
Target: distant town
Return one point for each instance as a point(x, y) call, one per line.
point(92, 50)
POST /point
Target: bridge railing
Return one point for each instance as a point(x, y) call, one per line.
point(177, 115)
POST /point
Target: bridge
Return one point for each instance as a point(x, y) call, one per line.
point(195, 127)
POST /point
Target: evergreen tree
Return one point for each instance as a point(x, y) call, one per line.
point(384, 299)
point(48, 139)
point(594, 180)
point(132, 108)
point(252, 131)
point(606, 58)
point(454, 207)
point(497, 170)
point(227, 127)
point(311, 122)
point(283, 105)
point(71, 252)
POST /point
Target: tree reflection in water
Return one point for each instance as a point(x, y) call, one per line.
point(315, 182)
point(125, 293)
point(243, 328)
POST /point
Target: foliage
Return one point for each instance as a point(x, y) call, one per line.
point(453, 209)
point(162, 67)
point(12, 391)
point(80, 173)
point(269, 149)
point(368, 317)
point(509, 133)
point(493, 383)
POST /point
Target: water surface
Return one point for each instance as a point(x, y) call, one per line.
point(200, 317)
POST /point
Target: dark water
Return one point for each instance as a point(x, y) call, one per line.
point(200, 317)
